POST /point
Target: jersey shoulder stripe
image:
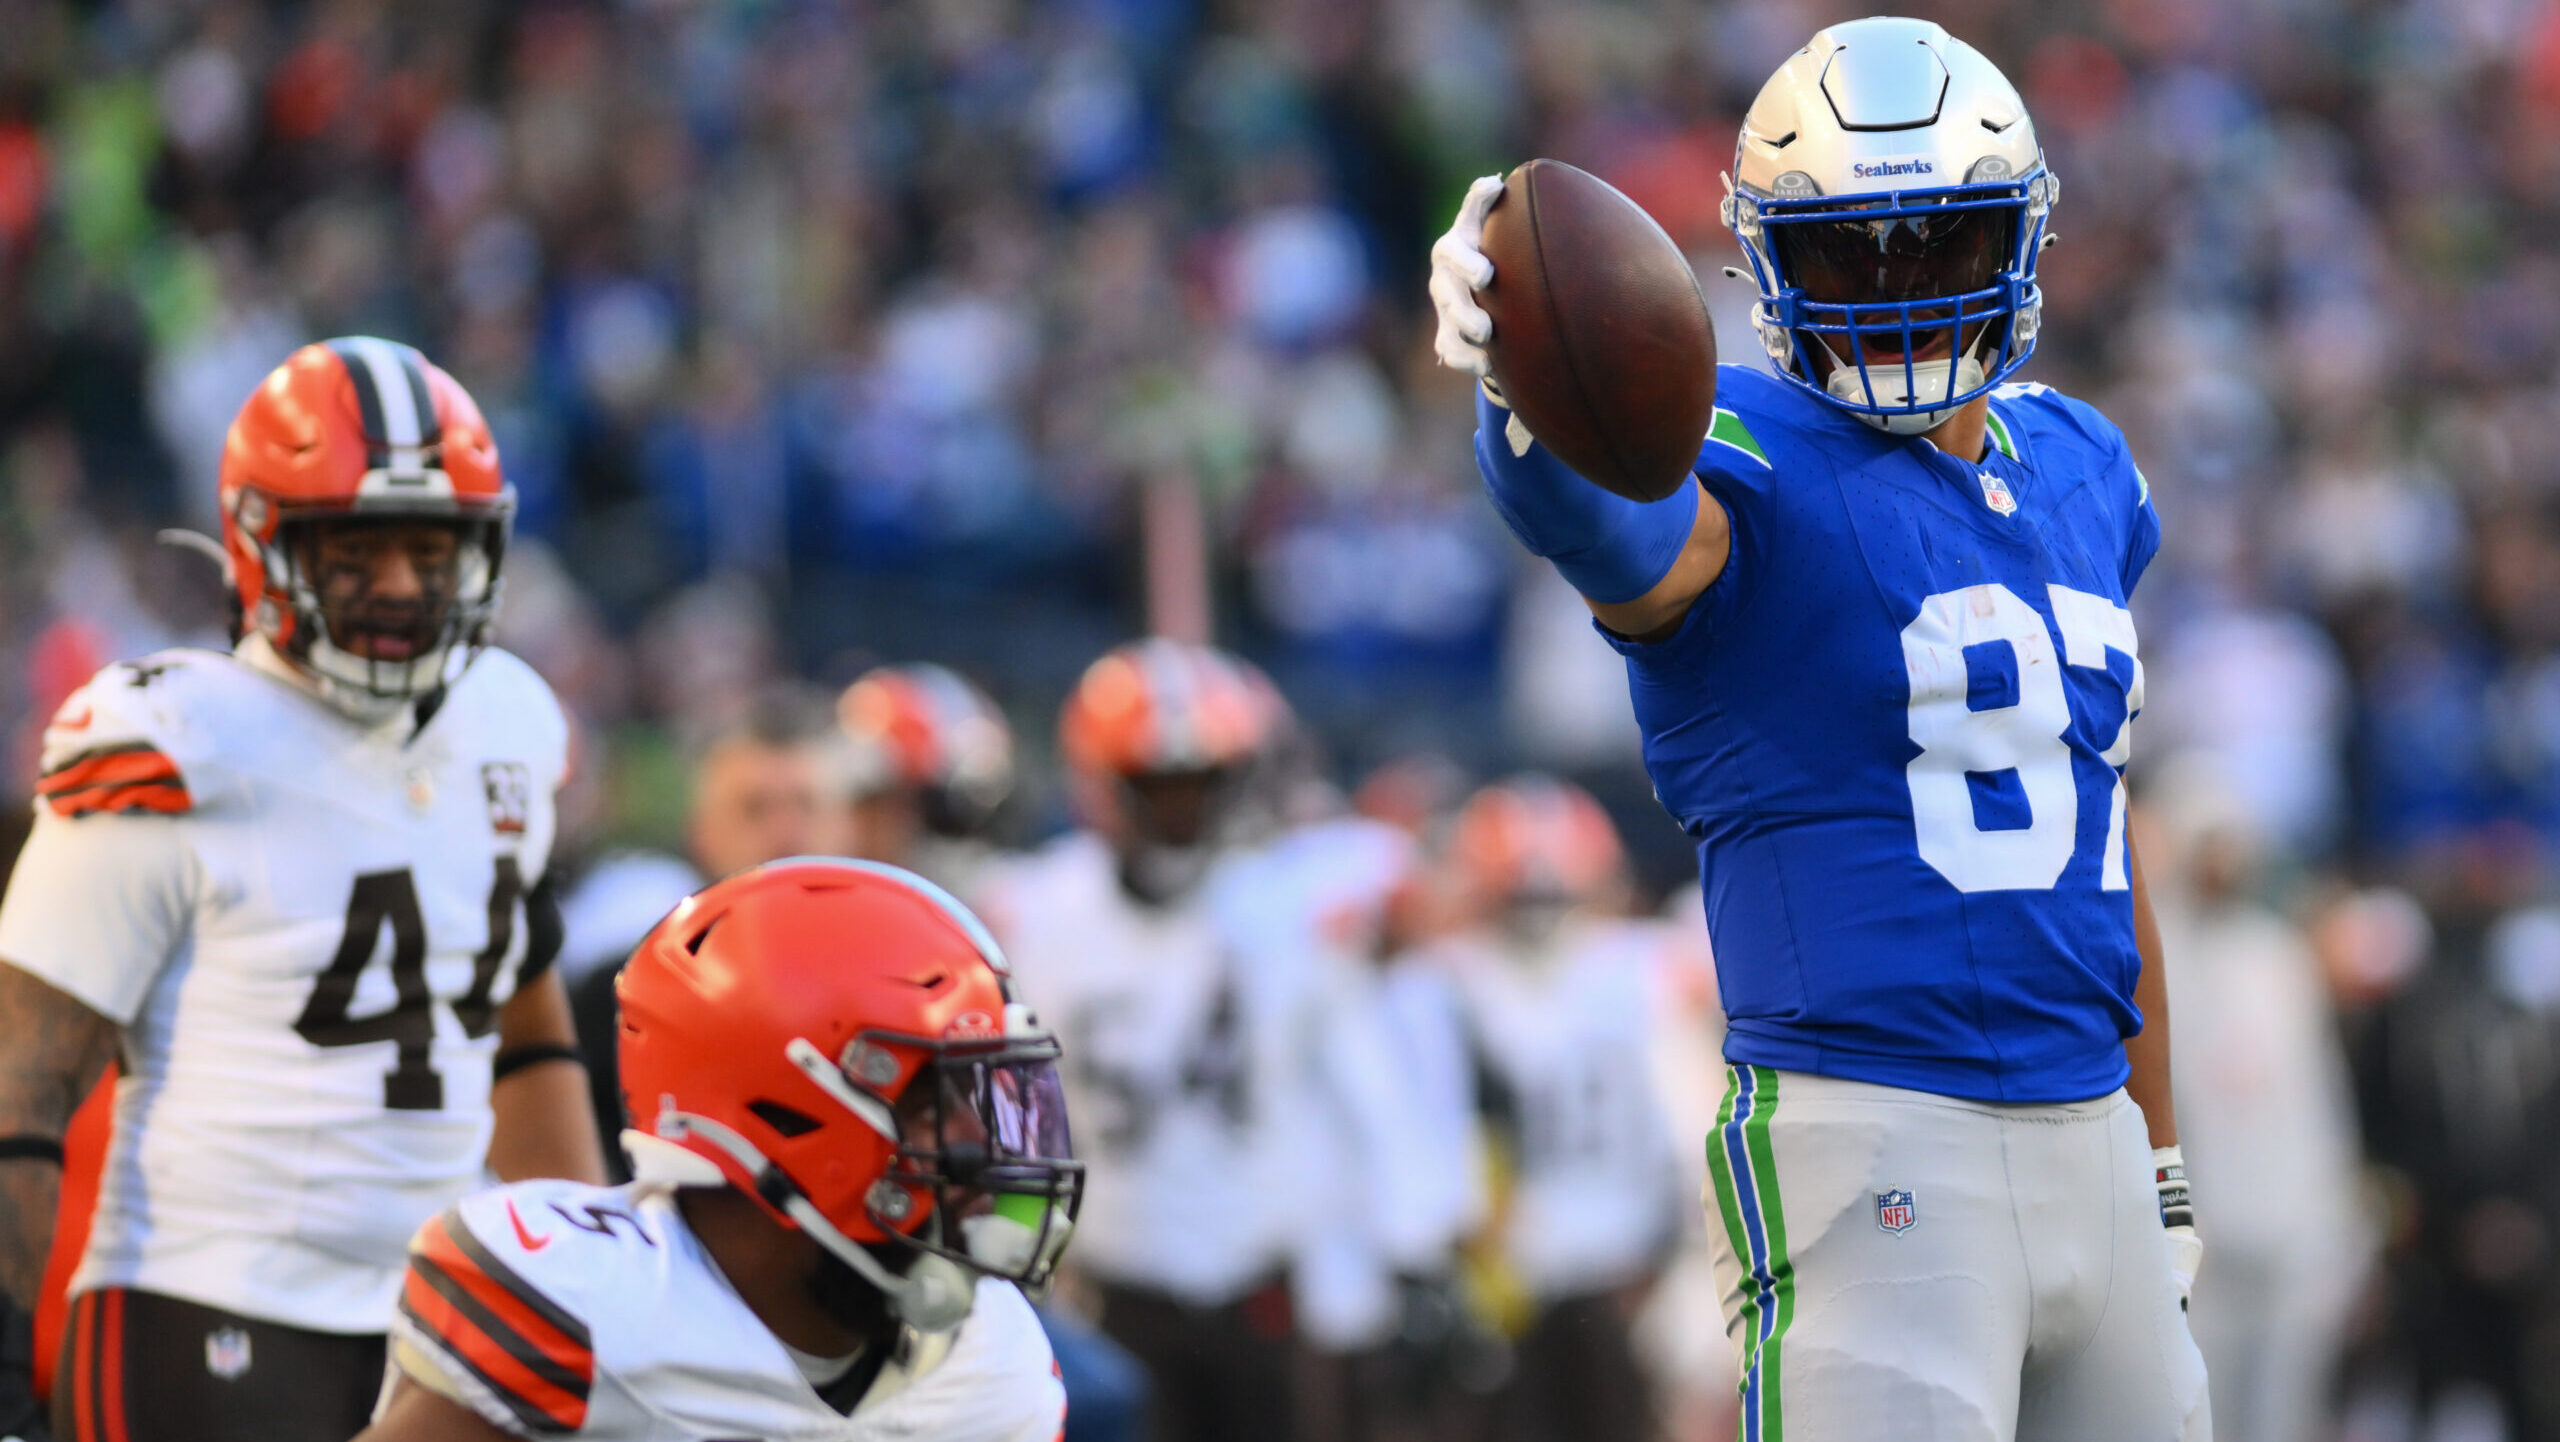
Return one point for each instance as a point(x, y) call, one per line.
point(114, 745)
point(116, 776)
point(2000, 438)
point(1729, 430)
point(530, 1354)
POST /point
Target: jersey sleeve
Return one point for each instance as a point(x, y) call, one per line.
point(1735, 470)
point(103, 893)
point(475, 1327)
point(105, 751)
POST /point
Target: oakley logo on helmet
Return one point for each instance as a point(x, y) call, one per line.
point(1887, 169)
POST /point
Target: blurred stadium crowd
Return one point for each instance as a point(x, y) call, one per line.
point(817, 335)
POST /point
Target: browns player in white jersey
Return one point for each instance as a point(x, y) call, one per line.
point(926, 761)
point(852, 1151)
point(1188, 1057)
point(1559, 997)
point(301, 889)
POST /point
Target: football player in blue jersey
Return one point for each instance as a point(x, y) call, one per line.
point(1884, 668)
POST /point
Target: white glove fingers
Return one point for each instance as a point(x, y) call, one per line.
point(1479, 203)
point(1458, 309)
point(1456, 257)
point(1461, 357)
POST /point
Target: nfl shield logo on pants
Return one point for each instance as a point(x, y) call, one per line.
point(1895, 1213)
point(226, 1353)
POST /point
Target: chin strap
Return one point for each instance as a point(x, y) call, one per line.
point(935, 1294)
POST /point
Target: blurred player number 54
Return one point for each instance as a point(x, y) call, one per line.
point(1601, 342)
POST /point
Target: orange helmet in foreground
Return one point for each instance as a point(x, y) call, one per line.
point(362, 429)
point(839, 1041)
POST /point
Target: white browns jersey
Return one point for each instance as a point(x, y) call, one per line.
point(1560, 1039)
point(1184, 1063)
point(306, 929)
point(1387, 1172)
point(556, 1309)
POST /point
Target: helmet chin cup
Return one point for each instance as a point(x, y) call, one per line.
point(1927, 378)
point(351, 683)
point(1008, 1247)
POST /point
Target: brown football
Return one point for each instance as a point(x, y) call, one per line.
point(1601, 341)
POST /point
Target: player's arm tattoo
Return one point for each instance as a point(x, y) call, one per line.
point(56, 1047)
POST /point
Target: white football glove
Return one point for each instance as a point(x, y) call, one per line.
point(1458, 270)
point(2178, 1219)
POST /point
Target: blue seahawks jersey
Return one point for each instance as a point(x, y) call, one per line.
point(1895, 727)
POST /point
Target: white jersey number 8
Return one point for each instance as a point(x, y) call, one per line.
point(2023, 736)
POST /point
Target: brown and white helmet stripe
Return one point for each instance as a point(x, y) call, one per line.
point(402, 433)
point(1160, 705)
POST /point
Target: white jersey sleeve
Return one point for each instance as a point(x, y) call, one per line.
point(104, 891)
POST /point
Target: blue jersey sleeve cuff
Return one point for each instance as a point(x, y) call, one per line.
point(1608, 547)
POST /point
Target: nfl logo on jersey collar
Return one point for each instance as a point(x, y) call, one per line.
point(1998, 441)
point(1995, 494)
point(1895, 1211)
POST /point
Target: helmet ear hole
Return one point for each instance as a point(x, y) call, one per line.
point(789, 1121)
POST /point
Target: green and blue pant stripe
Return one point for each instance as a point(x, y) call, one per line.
point(1745, 1174)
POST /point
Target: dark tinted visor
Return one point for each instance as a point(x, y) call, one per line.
point(989, 1126)
point(1904, 257)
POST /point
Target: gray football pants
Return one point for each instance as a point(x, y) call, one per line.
point(1903, 1267)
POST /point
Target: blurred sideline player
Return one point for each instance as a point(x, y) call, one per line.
point(301, 889)
point(852, 1149)
point(1680, 1333)
point(2267, 1101)
point(925, 762)
point(1387, 1168)
point(1559, 994)
point(1184, 1063)
point(759, 794)
point(1884, 667)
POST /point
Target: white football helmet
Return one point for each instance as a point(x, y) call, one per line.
point(1889, 193)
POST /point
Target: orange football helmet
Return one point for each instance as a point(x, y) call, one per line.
point(1159, 711)
point(361, 428)
point(926, 729)
point(839, 1041)
point(1537, 841)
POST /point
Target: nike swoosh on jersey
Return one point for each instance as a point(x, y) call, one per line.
point(524, 1235)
